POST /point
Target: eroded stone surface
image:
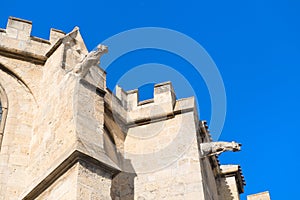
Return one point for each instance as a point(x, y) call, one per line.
point(259, 196)
point(66, 136)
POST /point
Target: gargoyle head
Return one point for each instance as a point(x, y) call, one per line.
point(236, 146)
point(102, 48)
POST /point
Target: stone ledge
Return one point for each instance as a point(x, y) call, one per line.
point(20, 20)
point(259, 196)
point(72, 159)
point(22, 55)
point(236, 171)
point(41, 40)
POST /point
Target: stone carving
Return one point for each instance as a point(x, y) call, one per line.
point(216, 148)
point(91, 59)
point(67, 130)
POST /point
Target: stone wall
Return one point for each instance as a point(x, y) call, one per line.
point(161, 144)
point(15, 146)
point(67, 136)
point(82, 181)
point(259, 196)
point(64, 188)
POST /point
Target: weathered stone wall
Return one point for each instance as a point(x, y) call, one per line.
point(209, 180)
point(162, 147)
point(20, 81)
point(15, 147)
point(53, 111)
point(259, 196)
point(54, 134)
point(167, 162)
point(64, 188)
point(67, 136)
point(93, 182)
point(209, 167)
point(81, 182)
point(231, 182)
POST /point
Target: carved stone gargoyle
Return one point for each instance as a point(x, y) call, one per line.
point(216, 148)
point(91, 59)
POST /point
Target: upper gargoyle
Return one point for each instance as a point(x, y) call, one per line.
point(215, 148)
point(91, 59)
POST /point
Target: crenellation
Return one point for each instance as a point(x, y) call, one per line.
point(122, 96)
point(164, 92)
point(18, 23)
point(120, 93)
point(16, 41)
point(12, 33)
point(233, 178)
point(55, 34)
point(40, 40)
point(132, 99)
point(68, 136)
point(145, 102)
point(184, 105)
point(18, 28)
point(163, 104)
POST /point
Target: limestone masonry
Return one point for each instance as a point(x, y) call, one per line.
point(65, 135)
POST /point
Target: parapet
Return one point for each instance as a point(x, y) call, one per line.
point(16, 41)
point(162, 106)
point(259, 196)
point(236, 172)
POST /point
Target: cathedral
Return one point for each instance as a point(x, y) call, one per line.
point(65, 136)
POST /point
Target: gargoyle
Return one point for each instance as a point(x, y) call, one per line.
point(91, 59)
point(216, 148)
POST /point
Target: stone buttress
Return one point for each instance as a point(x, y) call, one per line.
point(67, 136)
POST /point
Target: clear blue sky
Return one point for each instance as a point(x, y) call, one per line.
point(255, 45)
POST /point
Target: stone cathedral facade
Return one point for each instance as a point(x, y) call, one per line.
point(65, 135)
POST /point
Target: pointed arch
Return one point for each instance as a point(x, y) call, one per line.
point(3, 112)
point(17, 77)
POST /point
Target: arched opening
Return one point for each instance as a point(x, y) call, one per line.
point(3, 112)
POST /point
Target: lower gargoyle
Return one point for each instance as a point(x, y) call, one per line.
point(216, 148)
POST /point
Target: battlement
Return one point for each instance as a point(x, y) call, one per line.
point(236, 172)
point(16, 41)
point(64, 124)
point(163, 92)
point(162, 106)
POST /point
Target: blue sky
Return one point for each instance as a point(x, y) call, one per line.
point(255, 45)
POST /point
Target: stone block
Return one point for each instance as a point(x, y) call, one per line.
point(18, 25)
point(67, 136)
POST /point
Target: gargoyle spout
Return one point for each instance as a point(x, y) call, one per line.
point(215, 148)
